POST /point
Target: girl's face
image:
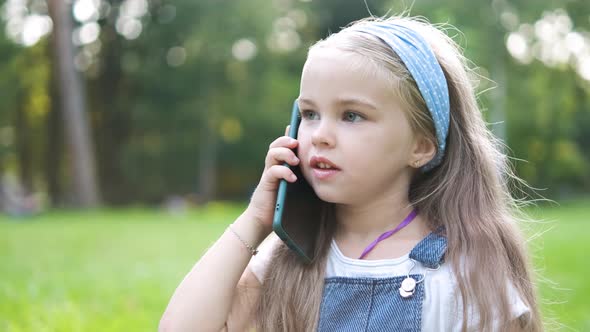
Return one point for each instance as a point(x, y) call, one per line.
point(352, 123)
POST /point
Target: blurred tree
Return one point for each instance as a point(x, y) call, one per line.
point(185, 96)
point(28, 111)
point(540, 120)
point(74, 107)
point(168, 102)
point(54, 143)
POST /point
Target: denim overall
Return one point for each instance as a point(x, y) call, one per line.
point(375, 304)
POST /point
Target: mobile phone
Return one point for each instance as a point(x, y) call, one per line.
point(297, 214)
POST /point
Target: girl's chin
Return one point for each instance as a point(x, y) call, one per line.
point(326, 192)
point(329, 196)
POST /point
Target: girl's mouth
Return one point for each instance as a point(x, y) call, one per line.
point(323, 168)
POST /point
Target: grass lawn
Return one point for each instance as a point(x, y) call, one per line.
point(562, 265)
point(115, 270)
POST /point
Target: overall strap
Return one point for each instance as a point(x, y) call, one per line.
point(431, 250)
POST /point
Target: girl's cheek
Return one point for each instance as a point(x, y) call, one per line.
point(303, 146)
point(302, 137)
point(302, 149)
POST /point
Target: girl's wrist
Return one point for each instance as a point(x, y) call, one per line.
point(251, 229)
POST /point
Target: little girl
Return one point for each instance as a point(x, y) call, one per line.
point(418, 231)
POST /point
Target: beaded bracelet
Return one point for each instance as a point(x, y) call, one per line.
point(252, 250)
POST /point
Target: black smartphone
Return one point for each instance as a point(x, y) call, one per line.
point(297, 214)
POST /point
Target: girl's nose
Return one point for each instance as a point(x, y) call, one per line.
point(323, 135)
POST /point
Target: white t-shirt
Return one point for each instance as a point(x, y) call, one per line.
point(439, 312)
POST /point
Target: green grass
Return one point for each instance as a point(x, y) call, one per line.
point(99, 271)
point(561, 261)
point(115, 270)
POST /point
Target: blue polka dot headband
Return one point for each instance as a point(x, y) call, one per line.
point(426, 71)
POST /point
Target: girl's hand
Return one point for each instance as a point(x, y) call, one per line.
point(262, 203)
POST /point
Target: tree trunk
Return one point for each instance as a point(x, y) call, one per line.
point(207, 163)
point(108, 96)
point(77, 132)
point(24, 148)
point(54, 143)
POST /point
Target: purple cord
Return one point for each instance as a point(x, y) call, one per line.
point(387, 234)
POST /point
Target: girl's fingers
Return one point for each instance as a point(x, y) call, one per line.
point(278, 172)
point(284, 141)
point(280, 155)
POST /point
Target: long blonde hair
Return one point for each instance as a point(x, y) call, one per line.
point(467, 194)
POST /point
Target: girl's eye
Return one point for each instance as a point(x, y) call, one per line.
point(309, 115)
point(352, 116)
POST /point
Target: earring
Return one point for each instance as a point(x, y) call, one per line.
point(417, 163)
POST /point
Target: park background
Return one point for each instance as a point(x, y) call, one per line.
point(132, 133)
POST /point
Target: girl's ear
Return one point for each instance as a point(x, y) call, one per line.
point(422, 152)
